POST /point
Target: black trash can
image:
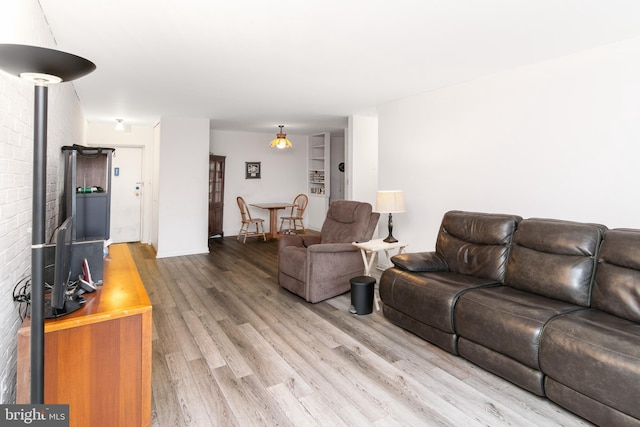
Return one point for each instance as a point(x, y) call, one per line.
point(362, 289)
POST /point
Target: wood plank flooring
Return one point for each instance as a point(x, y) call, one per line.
point(231, 348)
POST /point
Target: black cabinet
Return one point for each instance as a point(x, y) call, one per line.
point(216, 194)
point(87, 190)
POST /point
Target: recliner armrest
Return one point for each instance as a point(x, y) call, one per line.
point(420, 261)
point(333, 247)
point(310, 239)
point(300, 240)
point(284, 241)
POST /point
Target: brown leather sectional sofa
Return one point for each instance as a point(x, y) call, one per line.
point(552, 306)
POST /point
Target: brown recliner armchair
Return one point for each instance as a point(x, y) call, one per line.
point(317, 267)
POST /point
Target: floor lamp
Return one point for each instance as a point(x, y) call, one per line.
point(43, 67)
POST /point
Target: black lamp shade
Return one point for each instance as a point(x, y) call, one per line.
point(17, 59)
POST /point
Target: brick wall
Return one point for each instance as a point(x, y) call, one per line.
point(22, 21)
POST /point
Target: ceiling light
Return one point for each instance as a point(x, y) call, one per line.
point(119, 125)
point(281, 140)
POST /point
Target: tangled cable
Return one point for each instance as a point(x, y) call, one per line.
point(22, 295)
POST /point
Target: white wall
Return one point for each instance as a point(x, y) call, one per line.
point(183, 187)
point(284, 172)
point(362, 159)
point(557, 139)
point(155, 191)
point(22, 22)
point(105, 135)
point(337, 178)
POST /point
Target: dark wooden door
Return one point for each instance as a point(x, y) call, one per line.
point(216, 194)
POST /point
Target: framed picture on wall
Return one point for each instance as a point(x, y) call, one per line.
point(252, 170)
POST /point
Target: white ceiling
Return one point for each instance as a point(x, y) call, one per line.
point(308, 64)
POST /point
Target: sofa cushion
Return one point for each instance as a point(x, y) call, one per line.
point(564, 251)
point(530, 379)
point(507, 320)
point(616, 288)
point(427, 297)
point(597, 355)
point(476, 244)
point(445, 340)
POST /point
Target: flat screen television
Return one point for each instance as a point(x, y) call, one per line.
point(60, 302)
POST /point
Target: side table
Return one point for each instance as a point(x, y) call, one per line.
point(370, 248)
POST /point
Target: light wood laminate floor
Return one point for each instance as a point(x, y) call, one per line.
point(231, 348)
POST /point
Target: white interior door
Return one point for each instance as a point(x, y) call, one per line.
point(126, 195)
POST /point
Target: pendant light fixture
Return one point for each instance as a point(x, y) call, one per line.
point(119, 125)
point(281, 140)
point(43, 67)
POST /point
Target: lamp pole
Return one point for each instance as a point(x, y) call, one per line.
point(390, 238)
point(37, 242)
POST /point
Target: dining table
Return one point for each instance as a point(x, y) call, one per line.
point(273, 215)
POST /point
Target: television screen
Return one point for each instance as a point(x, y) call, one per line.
point(60, 302)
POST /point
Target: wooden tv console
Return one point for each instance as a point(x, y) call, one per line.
point(98, 359)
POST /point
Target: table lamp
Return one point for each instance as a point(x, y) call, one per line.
point(390, 202)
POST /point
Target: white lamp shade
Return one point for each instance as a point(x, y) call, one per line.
point(390, 201)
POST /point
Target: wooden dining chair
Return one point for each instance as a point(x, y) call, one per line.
point(248, 222)
point(295, 216)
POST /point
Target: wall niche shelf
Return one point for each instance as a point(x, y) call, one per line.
point(318, 179)
point(318, 160)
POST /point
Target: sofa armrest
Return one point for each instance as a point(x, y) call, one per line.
point(420, 261)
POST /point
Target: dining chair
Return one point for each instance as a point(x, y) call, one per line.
point(295, 216)
point(248, 222)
